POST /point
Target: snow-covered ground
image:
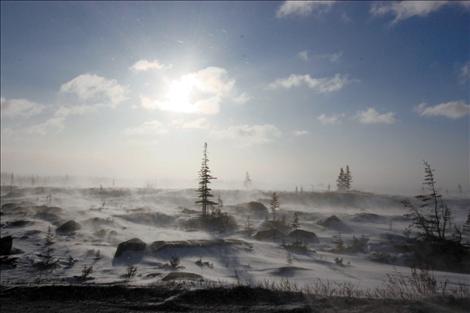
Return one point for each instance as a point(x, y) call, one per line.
point(110, 216)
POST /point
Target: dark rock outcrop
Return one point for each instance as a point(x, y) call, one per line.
point(167, 249)
point(68, 228)
point(5, 245)
point(257, 209)
point(130, 252)
point(182, 276)
point(18, 223)
point(334, 223)
point(270, 235)
point(368, 218)
point(303, 236)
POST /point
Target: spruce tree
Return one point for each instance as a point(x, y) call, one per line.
point(347, 178)
point(340, 180)
point(204, 192)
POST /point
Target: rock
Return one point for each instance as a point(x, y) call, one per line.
point(98, 222)
point(189, 211)
point(269, 235)
point(7, 263)
point(130, 252)
point(193, 247)
point(368, 218)
point(69, 227)
point(18, 223)
point(49, 213)
point(48, 209)
point(287, 271)
point(303, 236)
point(153, 275)
point(5, 245)
point(182, 276)
point(334, 223)
point(257, 209)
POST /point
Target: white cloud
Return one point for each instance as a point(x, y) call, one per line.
point(146, 65)
point(199, 92)
point(334, 57)
point(12, 108)
point(242, 98)
point(371, 116)
point(300, 132)
point(302, 8)
point(303, 55)
point(54, 124)
point(248, 135)
point(57, 122)
point(330, 119)
point(322, 85)
point(200, 123)
point(402, 10)
point(69, 110)
point(147, 129)
point(451, 109)
point(96, 89)
point(465, 72)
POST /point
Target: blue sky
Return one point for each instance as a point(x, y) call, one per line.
point(289, 91)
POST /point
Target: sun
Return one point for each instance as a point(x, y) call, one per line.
point(179, 95)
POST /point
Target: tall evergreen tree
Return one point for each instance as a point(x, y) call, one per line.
point(204, 192)
point(340, 180)
point(274, 205)
point(347, 178)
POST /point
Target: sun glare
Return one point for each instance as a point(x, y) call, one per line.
point(179, 95)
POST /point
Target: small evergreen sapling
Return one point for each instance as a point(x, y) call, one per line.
point(274, 205)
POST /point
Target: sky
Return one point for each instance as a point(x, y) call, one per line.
point(287, 91)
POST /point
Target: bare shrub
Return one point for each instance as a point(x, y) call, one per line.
point(420, 284)
point(296, 247)
point(131, 271)
point(86, 272)
point(174, 262)
point(203, 264)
